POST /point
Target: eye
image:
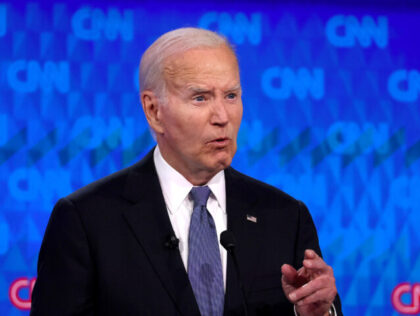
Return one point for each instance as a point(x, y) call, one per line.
point(199, 98)
point(231, 96)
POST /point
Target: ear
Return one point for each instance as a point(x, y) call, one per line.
point(152, 110)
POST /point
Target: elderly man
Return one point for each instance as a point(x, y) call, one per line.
point(144, 241)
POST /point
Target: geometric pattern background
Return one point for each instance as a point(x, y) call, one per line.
point(331, 116)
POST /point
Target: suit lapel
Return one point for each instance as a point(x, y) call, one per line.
point(247, 228)
point(150, 224)
point(148, 220)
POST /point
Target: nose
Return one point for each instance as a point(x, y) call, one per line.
point(219, 114)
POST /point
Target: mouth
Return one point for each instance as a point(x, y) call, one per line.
point(220, 142)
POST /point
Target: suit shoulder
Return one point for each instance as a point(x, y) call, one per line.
point(113, 184)
point(108, 185)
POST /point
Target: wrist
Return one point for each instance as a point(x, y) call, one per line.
point(331, 311)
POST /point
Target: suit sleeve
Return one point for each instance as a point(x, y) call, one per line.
point(64, 283)
point(308, 239)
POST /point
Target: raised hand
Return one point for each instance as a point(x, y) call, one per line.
point(312, 288)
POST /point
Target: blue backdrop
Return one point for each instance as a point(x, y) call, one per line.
point(331, 116)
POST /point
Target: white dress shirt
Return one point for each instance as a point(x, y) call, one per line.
point(176, 191)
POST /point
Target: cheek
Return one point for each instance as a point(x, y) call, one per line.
point(237, 118)
point(177, 124)
point(187, 134)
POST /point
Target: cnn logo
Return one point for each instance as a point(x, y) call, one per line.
point(408, 289)
point(17, 287)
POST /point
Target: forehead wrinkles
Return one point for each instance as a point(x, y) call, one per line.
point(184, 67)
point(177, 69)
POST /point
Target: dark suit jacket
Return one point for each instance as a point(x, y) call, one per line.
point(104, 249)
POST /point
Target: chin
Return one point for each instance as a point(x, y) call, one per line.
point(222, 164)
point(220, 161)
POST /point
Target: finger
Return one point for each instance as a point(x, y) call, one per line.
point(322, 282)
point(310, 254)
point(299, 277)
point(317, 263)
point(322, 296)
point(289, 273)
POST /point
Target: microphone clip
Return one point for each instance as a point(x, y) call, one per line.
point(172, 242)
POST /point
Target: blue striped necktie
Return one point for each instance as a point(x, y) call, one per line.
point(204, 263)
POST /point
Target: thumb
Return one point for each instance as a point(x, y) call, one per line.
point(289, 273)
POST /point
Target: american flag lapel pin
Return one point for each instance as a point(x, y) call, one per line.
point(251, 218)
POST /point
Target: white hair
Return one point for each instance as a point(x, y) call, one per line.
point(151, 76)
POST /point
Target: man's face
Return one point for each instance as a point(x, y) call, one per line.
point(201, 119)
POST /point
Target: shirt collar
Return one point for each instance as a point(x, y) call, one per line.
point(218, 188)
point(175, 187)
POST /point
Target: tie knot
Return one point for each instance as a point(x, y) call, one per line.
point(200, 195)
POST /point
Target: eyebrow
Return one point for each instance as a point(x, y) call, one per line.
point(199, 90)
point(194, 89)
point(235, 88)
